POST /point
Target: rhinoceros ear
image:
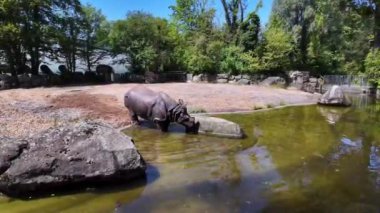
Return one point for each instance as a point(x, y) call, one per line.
point(182, 103)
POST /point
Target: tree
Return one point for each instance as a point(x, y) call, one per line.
point(30, 32)
point(193, 16)
point(370, 8)
point(250, 29)
point(95, 34)
point(278, 46)
point(11, 36)
point(70, 36)
point(39, 20)
point(144, 39)
point(234, 14)
point(297, 16)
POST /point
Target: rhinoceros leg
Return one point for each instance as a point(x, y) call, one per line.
point(134, 118)
point(163, 125)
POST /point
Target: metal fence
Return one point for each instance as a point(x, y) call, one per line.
point(150, 77)
point(348, 80)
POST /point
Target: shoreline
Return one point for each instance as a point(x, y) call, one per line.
point(25, 112)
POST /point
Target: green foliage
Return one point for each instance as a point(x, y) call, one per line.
point(317, 35)
point(144, 39)
point(203, 55)
point(250, 30)
point(372, 65)
point(31, 28)
point(95, 36)
point(278, 46)
point(233, 62)
point(193, 15)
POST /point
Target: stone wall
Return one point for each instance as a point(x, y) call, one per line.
point(301, 80)
point(226, 79)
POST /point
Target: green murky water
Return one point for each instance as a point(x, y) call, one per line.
point(298, 159)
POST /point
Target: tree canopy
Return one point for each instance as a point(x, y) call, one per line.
point(337, 36)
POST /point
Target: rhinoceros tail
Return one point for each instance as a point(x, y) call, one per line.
point(125, 100)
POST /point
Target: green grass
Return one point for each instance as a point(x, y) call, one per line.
point(197, 110)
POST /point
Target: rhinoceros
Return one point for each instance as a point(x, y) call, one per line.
point(159, 108)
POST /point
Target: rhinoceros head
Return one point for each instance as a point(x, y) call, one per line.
point(182, 117)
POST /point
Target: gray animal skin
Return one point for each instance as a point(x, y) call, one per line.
point(159, 108)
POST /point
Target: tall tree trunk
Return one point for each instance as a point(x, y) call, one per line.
point(35, 60)
point(88, 62)
point(11, 63)
point(226, 12)
point(87, 53)
point(35, 54)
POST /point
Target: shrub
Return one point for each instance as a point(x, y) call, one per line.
point(372, 65)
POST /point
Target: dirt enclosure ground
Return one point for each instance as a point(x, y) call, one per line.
point(24, 112)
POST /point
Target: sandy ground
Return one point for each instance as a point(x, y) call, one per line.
point(24, 112)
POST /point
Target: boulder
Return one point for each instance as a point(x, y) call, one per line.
point(222, 81)
point(218, 127)
point(198, 78)
point(309, 87)
point(274, 81)
point(6, 81)
point(232, 82)
point(313, 80)
point(39, 80)
point(189, 77)
point(222, 76)
point(246, 77)
point(24, 80)
point(334, 97)
point(244, 81)
point(77, 155)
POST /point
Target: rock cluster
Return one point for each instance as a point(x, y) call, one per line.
point(303, 81)
point(226, 78)
point(76, 155)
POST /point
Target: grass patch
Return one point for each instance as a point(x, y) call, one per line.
point(197, 110)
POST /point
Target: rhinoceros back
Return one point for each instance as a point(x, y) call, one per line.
point(141, 101)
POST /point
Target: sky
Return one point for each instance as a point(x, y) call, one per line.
point(117, 9)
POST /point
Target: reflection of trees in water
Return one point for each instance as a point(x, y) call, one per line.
point(374, 165)
point(313, 157)
point(291, 158)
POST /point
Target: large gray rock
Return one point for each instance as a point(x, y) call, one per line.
point(198, 78)
point(244, 81)
point(218, 127)
point(274, 81)
point(80, 154)
point(24, 80)
point(334, 97)
point(222, 76)
point(6, 81)
point(222, 81)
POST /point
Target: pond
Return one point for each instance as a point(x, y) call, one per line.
point(296, 159)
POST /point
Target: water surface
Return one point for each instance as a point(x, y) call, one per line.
point(296, 159)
